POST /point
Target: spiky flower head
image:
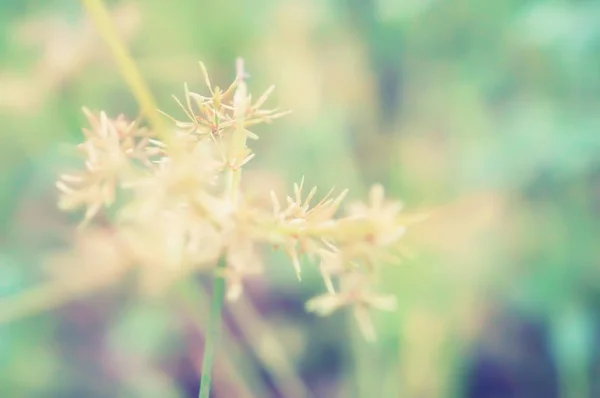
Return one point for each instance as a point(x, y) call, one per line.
point(183, 206)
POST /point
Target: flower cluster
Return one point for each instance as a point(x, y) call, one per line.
point(181, 207)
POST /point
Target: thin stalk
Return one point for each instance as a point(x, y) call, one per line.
point(194, 302)
point(42, 298)
point(269, 350)
point(213, 332)
point(233, 177)
point(366, 363)
point(127, 66)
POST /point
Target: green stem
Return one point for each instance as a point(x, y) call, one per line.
point(125, 62)
point(213, 332)
point(365, 362)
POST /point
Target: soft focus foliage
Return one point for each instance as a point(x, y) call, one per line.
point(484, 115)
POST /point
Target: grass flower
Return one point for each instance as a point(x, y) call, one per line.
point(184, 207)
point(109, 147)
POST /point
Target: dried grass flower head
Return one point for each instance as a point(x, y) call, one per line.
point(110, 146)
point(184, 206)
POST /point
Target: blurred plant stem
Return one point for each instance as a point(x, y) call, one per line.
point(269, 350)
point(366, 362)
point(40, 299)
point(572, 338)
point(213, 331)
point(125, 63)
point(192, 299)
point(573, 383)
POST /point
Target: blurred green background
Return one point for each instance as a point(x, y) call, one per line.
point(484, 113)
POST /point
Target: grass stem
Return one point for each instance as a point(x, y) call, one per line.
point(125, 63)
point(213, 332)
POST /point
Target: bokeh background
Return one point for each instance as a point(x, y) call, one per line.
point(485, 114)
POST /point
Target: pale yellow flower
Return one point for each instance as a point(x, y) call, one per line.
point(109, 148)
point(298, 221)
point(382, 216)
point(212, 115)
point(185, 208)
point(355, 293)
